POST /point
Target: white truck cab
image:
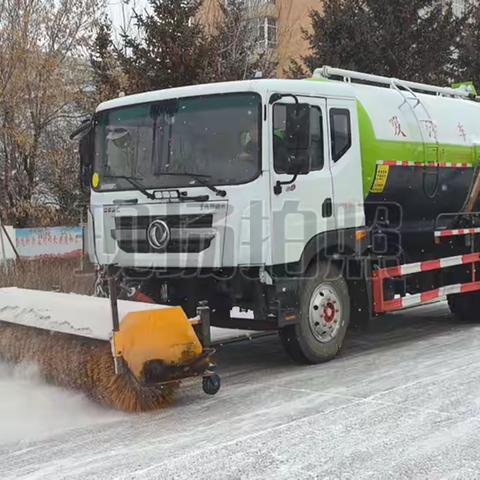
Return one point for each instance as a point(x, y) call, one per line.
point(226, 192)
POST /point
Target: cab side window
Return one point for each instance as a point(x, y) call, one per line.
point(340, 132)
point(282, 147)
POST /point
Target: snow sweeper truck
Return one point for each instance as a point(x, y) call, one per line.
point(311, 204)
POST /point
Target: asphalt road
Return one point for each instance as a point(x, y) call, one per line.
point(401, 402)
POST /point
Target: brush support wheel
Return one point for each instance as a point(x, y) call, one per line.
point(211, 384)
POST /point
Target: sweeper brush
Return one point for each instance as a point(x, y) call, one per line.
point(127, 355)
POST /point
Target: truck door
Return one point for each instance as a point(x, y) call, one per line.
point(346, 164)
point(302, 207)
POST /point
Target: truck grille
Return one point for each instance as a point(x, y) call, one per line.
point(189, 233)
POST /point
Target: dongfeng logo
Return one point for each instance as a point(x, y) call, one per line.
point(158, 234)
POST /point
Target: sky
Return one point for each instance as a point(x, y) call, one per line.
point(121, 12)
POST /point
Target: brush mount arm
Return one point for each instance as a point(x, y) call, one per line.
point(112, 287)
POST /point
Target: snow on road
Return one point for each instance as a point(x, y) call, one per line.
point(402, 401)
point(31, 410)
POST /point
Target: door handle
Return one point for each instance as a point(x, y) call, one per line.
point(327, 208)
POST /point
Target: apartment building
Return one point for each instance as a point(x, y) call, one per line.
point(279, 25)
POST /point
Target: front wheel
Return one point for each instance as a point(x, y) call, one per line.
point(324, 317)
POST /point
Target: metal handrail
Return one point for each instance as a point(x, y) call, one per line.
point(349, 75)
point(454, 216)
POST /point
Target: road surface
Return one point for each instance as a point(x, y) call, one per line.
point(402, 402)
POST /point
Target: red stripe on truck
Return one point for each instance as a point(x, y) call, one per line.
point(471, 258)
point(470, 287)
point(431, 265)
point(403, 163)
point(431, 295)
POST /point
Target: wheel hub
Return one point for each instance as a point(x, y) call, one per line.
point(325, 313)
point(329, 313)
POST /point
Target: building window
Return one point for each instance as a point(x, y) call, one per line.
point(258, 3)
point(267, 32)
point(458, 7)
point(254, 3)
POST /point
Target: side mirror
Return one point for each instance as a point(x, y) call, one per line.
point(85, 135)
point(298, 138)
point(87, 151)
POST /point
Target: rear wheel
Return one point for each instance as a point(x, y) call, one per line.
point(465, 307)
point(324, 317)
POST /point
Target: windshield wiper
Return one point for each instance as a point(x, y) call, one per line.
point(200, 179)
point(134, 181)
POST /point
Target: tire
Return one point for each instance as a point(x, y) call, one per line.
point(465, 307)
point(318, 337)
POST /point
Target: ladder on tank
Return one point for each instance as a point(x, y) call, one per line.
point(397, 85)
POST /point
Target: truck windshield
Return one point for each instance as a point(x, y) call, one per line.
point(215, 137)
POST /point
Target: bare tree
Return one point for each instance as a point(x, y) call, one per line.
point(44, 85)
point(240, 42)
